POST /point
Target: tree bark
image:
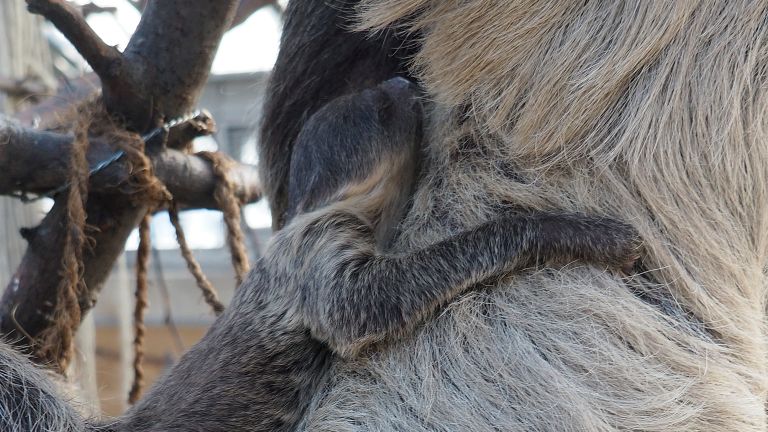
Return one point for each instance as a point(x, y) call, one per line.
point(159, 76)
point(36, 162)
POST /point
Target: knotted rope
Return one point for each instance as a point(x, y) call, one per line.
point(143, 189)
point(230, 205)
point(140, 308)
point(225, 197)
point(209, 292)
point(55, 343)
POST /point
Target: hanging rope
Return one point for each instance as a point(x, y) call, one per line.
point(56, 343)
point(140, 308)
point(144, 188)
point(209, 292)
point(90, 119)
point(230, 205)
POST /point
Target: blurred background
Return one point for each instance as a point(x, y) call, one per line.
point(40, 72)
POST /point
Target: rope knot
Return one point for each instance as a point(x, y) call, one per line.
point(87, 121)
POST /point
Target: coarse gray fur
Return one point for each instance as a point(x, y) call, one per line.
point(654, 111)
point(29, 400)
point(325, 291)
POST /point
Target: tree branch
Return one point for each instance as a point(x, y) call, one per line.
point(28, 303)
point(105, 60)
point(160, 75)
point(191, 179)
point(35, 162)
point(172, 51)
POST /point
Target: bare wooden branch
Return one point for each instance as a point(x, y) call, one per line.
point(105, 60)
point(191, 179)
point(28, 303)
point(125, 85)
point(35, 162)
point(173, 61)
point(119, 80)
point(160, 75)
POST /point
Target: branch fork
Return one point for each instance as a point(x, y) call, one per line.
point(141, 86)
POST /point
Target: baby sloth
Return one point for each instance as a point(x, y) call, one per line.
point(325, 290)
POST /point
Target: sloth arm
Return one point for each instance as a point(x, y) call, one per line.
point(354, 297)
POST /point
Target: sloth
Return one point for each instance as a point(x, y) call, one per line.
point(328, 287)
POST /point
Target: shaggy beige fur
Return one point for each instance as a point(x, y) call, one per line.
point(654, 112)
